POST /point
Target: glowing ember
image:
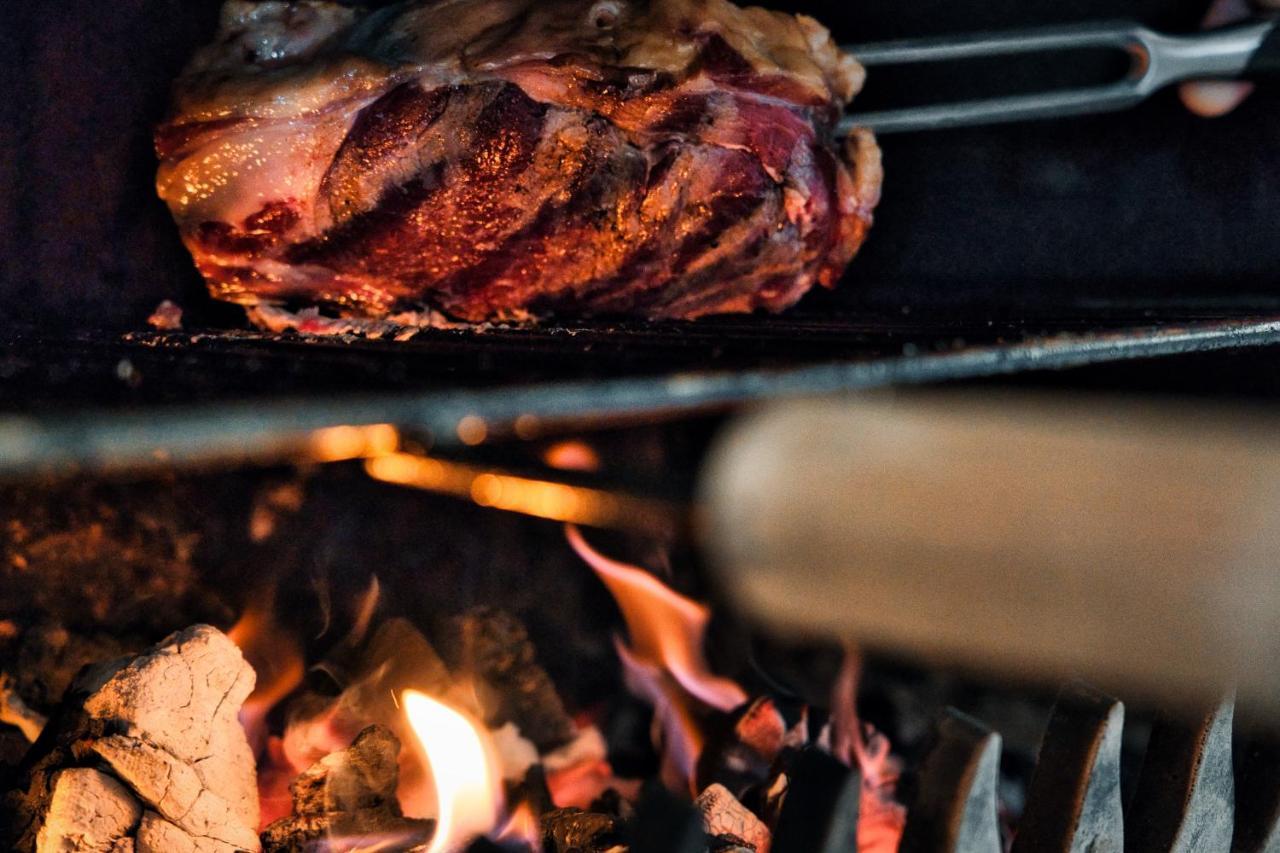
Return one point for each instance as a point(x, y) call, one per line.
point(336, 444)
point(572, 456)
point(464, 768)
point(538, 498)
point(880, 818)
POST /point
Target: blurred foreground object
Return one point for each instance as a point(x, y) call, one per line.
point(1130, 544)
point(1213, 98)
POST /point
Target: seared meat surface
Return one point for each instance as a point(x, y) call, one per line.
point(506, 159)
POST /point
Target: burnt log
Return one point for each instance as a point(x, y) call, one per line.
point(349, 795)
point(163, 726)
point(1185, 800)
point(1258, 796)
point(955, 806)
point(1074, 800)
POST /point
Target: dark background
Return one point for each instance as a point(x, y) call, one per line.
point(1152, 208)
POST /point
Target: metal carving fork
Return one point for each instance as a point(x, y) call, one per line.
point(1250, 50)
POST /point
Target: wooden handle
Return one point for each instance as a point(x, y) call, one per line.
point(1133, 545)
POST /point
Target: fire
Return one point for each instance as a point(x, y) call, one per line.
point(276, 657)
point(465, 770)
point(522, 829)
point(881, 819)
point(666, 628)
point(664, 660)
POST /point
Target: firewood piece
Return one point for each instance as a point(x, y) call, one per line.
point(1258, 796)
point(87, 811)
point(15, 712)
point(1074, 800)
point(723, 815)
point(349, 794)
point(1185, 799)
point(955, 807)
point(820, 809)
point(495, 647)
point(575, 831)
point(165, 723)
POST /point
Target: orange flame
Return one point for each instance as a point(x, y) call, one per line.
point(666, 628)
point(522, 829)
point(464, 768)
point(880, 818)
point(664, 660)
point(276, 657)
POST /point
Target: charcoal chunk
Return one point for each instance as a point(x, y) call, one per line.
point(350, 794)
point(576, 831)
point(494, 647)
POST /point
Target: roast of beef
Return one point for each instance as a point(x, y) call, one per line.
point(512, 159)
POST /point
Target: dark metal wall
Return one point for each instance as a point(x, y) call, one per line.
point(1143, 207)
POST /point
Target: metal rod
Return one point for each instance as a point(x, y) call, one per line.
point(245, 432)
point(1158, 61)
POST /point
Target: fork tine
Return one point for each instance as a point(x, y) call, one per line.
point(1117, 34)
point(1095, 99)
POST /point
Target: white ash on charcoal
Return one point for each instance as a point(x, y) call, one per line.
point(145, 754)
point(726, 819)
point(348, 798)
point(88, 810)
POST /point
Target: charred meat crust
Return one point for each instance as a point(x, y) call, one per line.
point(531, 159)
